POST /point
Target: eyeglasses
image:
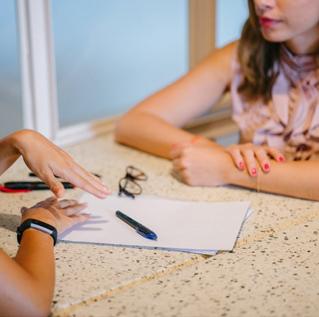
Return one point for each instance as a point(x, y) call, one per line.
point(128, 184)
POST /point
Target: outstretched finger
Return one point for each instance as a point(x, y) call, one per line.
point(67, 203)
point(262, 158)
point(73, 210)
point(55, 186)
point(250, 161)
point(76, 219)
point(275, 154)
point(92, 179)
point(236, 157)
point(74, 177)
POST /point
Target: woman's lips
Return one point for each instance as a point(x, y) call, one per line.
point(267, 22)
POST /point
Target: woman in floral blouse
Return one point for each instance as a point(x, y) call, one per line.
point(272, 73)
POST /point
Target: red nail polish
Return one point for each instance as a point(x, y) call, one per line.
point(253, 171)
point(281, 159)
point(266, 167)
point(241, 165)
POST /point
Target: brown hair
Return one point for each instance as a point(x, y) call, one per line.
point(257, 58)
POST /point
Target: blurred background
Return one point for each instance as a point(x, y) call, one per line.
point(68, 68)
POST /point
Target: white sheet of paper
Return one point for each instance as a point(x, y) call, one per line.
point(202, 227)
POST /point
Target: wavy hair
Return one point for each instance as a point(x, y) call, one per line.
point(257, 58)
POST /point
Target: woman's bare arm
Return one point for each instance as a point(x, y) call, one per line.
point(297, 179)
point(199, 165)
point(27, 281)
point(154, 124)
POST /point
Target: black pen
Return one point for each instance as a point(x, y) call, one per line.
point(33, 175)
point(140, 229)
point(27, 185)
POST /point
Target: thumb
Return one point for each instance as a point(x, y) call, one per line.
point(55, 186)
point(23, 209)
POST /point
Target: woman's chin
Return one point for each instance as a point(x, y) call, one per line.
point(274, 37)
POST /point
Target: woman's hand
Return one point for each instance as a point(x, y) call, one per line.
point(61, 214)
point(47, 160)
point(248, 156)
point(201, 165)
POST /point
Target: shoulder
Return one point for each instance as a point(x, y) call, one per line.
point(222, 60)
point(225, 54)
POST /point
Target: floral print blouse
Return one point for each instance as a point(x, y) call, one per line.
point(290, 120)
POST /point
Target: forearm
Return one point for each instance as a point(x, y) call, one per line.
point(297, 179)
point(149, 133)
point(8, 152)
point(28, 280)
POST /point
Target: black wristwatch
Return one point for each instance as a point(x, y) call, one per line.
point(37, 225)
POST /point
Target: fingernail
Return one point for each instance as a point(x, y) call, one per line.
point(281, 159)
point(241, 165)
point(56, 190)
point(253, 172)
point(266, 167)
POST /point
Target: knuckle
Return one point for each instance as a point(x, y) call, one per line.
point(234, 152)
point(248, 154)
point(184, 163)
point(232, 148)
point(260, 151)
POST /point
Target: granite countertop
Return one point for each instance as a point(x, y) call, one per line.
point(273, 270)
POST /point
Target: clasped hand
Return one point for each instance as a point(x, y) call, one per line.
point(201, 164)
point(209, 164)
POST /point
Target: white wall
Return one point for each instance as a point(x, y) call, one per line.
point(231, 15)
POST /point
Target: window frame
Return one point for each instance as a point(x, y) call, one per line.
point(39, 87)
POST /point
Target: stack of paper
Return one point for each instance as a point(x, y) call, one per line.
point(199, 227)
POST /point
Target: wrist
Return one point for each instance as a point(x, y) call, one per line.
point(241, 178)
point(37, 226)
point(40, 214)
point(34, 236)
point(20, 139)
point(230, 172)
point(10, 144)
point(200, 140)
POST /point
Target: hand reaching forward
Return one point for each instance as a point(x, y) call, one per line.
point(61, 214)
point(46, 160)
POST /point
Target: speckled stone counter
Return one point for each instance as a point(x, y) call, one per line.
point(273, 270)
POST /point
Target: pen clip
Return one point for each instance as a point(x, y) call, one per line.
point(13, 191)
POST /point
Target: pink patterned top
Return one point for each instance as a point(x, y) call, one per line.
point(290, 120)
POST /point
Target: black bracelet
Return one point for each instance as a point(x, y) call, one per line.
point(37, 225)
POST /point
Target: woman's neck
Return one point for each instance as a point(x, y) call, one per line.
point(305, 43)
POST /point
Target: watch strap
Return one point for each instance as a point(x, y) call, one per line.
point(37, 225)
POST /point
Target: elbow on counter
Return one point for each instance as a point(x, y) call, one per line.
point(120, 129)
point(126, 126)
